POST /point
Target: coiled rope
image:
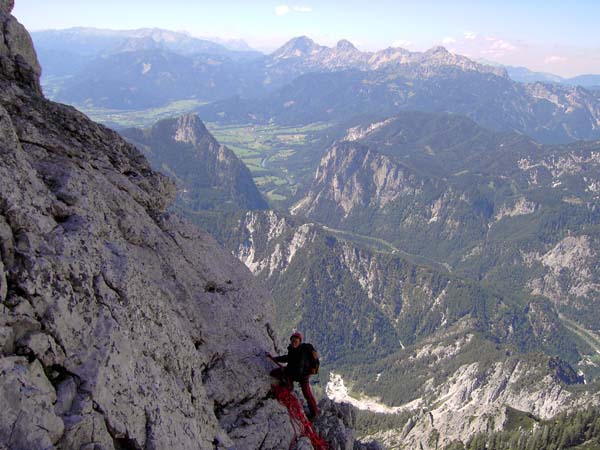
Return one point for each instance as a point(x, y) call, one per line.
point(300, 423)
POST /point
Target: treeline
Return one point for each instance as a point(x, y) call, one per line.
point(368, 422)
point(579, 430)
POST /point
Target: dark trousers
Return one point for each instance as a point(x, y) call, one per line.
point(304, 385)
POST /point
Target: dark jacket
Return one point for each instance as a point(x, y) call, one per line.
point(299, 361)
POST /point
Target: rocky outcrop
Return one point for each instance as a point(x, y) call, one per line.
point(121, 326)
point(358, 188)
point(569, 277)
point(269, 242)
point(351, 176)
point(337, 423)
point(209, 175)
point(517, 207)
point(18, 61)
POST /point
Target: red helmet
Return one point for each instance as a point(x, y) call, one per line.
point(297, 334)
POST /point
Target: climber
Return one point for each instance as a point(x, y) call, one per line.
point(302, 362)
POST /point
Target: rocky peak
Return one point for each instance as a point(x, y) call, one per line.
point(438, 50)
point(351, 176)
point(427, 63)
point(18, 60)
point(209, 174)
point(296, 47)
point(346, 46)
point(440, 56)
point(189, 128)
point(389, 57)
point(138, 44)
point(302, 43)
point(185, 129)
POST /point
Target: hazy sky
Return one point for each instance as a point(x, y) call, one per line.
point(561, 37)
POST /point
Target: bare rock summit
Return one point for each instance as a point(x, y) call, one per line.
point(209, 175)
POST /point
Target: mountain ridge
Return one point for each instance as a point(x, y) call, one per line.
point(104, 40)
point(344, 55)
point(548, 113)
point(502, 202)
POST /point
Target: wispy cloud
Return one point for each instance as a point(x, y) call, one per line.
point(554, 59)
point(500, 44)
point(302, 9)
point(563, 60)
point(497, 48)
point(401, 43)
point(283, 10)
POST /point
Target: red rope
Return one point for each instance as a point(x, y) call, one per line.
point(297, 417)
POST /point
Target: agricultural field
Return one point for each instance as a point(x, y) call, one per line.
point(281, 159)
point(119, 119)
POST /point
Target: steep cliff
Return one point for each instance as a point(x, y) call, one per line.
point(209, 175)
point(360, 189)
point(121, 326)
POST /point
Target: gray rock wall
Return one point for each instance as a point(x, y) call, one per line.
point(18, 61)
point(121, 326)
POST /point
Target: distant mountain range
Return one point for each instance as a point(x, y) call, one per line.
point(303, 82)
point(94, 41)
point(121, 69)
point(525, 75)
point(549, 113)
point(303, 55)
point(136, 69)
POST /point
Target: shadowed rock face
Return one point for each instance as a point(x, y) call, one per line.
point(6, 6)
point(18, 61)
point(121, 326)
point(210, 176)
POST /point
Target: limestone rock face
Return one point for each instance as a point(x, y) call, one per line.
point(6, 6)
point(18, 61)
point(336, 424)
point(27, 398)
point(121, 326)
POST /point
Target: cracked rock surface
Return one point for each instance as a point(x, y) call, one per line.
point(109, 336)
